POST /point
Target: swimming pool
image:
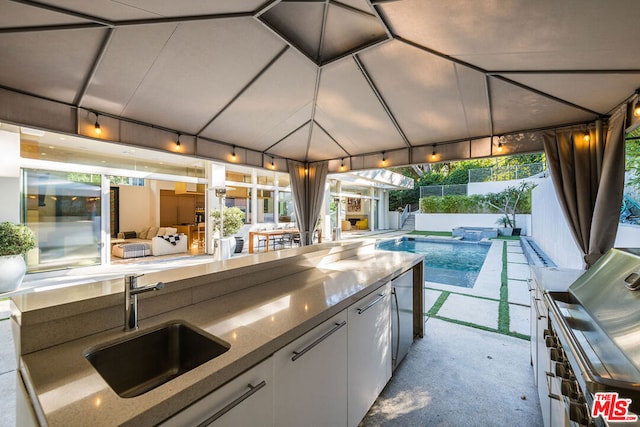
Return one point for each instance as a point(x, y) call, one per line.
point(452, 263)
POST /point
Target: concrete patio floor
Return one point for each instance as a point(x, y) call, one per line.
point(473, 367)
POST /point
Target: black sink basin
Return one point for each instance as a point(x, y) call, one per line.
point(143, 362)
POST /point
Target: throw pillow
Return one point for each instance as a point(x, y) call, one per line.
point(143, 234)
point(153, 232)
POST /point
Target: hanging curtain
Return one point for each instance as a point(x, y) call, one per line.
point(308, 194)
point(588, 177)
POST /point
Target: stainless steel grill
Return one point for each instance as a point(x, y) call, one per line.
point(595, 334)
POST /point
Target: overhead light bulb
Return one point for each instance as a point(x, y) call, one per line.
point(433, 153)
point(636, 109)
point(178, 142)
point(499, 147)
point(587, 137)
point(384, 160)
point(341, 164)
point(97, 126)
point(273, 166)
point(233, 153)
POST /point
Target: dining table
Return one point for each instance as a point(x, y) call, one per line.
point(269, 235)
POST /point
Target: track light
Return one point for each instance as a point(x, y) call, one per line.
point(433, 153)
point(97, 126)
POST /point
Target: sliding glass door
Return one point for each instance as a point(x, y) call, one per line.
point(64, 210)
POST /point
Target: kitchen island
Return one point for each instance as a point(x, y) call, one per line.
point(258, 304)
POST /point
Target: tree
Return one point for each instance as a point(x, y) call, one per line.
point(510, 201)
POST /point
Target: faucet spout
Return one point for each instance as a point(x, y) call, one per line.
point(131, 292)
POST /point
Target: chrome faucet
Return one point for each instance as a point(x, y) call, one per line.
point(131, 291)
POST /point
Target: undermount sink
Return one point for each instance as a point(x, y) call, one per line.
point(143, 362)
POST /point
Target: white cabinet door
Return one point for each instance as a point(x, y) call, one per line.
point(245, 401)
point(311, 377)
point(369, 368)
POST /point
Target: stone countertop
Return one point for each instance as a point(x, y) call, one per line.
point(256, 321)
point(553, 279)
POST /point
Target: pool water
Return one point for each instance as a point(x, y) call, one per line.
point(451, 263)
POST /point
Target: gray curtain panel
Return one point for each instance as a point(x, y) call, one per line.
point(308, 194)
point(589, 180)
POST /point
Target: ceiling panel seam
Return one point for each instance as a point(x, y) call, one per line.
point(567, 71)
point(487, 88)
point(464, 110)
point(382, 21)
point(94, 67)
point(325, 12)
point(64, 11)
point(245, 88)
point(356, 50)
point(284, 39)
point(331, 138)
point(314, 107)
point(500, 77)
point(381, 99)
point(266, 150)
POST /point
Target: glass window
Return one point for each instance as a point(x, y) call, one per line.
point(285, 208)
point(64, 211)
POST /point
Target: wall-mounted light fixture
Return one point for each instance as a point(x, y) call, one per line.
point(97, 126)
point(433, 153)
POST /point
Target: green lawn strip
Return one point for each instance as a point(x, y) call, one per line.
point(439, 302)
point(503, 305)
point(503, 308)
point(431, 233)
point(506, 238)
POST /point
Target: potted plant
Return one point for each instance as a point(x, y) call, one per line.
point(15, 241)
point(505, 222)
point(232, 221)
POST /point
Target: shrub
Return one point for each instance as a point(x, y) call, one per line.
point(15, 239)
point(233, 219)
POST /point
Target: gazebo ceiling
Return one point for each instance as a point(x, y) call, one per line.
point(317, 80)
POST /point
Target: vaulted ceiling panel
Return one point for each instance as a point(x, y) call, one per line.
point(417, 85)
point(294, 145)
point(347, 29)
point(20, 15)
point(322, 146)
point(351, 113)
point(119, 75)
point(203, 66)
point(290, 81)
point(597, 92)
point(522, 34)
point(298, 22)
point(323, 79)
point(515, 108)
point(49, 64)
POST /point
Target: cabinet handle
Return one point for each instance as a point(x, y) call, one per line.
point(395, 356)
point(252, 389)
point(535, 305)
point(298, 354)
point(372, 303)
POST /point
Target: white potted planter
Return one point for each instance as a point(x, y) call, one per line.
point(233, 220)
point(15, 242)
